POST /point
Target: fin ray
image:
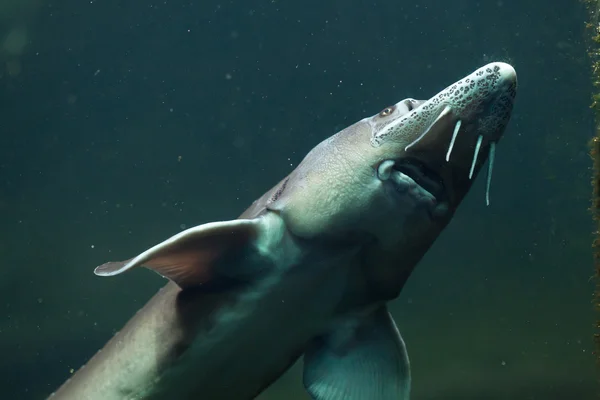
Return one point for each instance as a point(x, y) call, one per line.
point(364, 358)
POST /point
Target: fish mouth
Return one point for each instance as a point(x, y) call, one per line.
point(424, 176)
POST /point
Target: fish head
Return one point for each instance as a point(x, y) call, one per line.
point(443, 142)
point(395, 179)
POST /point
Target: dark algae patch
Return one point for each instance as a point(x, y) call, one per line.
point(593, 29)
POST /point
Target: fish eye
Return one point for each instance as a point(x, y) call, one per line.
point(387, 111)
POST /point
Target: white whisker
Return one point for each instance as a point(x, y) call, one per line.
point(444, 112)
point(454, 135)
point(477, 147)
point(489, 174)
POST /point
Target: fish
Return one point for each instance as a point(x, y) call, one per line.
point(309, 268)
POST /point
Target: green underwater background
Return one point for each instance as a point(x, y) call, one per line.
point(124, 122)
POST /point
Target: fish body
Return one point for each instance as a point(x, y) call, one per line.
point(308, 268)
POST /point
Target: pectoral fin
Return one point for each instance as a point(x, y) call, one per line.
point(364, 358)
point(192, 257)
